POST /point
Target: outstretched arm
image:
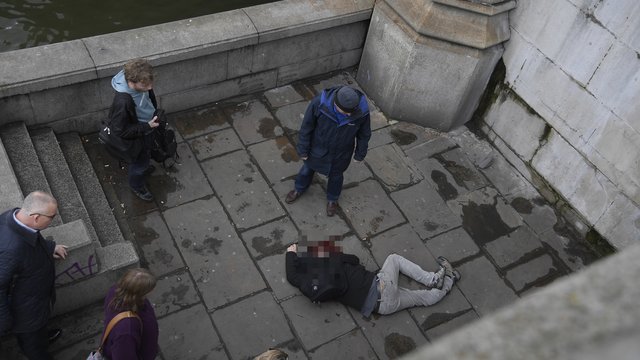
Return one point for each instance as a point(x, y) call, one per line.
point(291, 263)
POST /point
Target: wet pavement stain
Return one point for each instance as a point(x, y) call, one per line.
point(445, 189)
point(243, 206)
point(194, 122)
point(163, 256)
point(402, 138)
point(396, 345)
point(209, 245)
point(429, 225)
point(177, 292)
point(267, 127)
point(146, 235)
point(289, 154)
point(522, 205)
point(460, 173)
point(268, 245)
point(436, 319)
point(248, 180)
point(483, 222)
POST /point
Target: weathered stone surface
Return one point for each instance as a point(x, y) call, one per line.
point(277, 158)
point(282, 96)
point(173, 293)
point(429, 148)
point(392, 167)
point(354, 245)
point(258, 318)
point(464, 173)
point(179, 184)
point(378, 119)
point(441, 179)
point(273, 270)
point(390, 335)
point(253, 122)
point(451, 325)
point(369, 209)
point(425, 210)
point(270, 238)
point(531, 272)
point(215, 143)
point(483, 287)
point(349, 346)
point(356, 173)
point(309, 211)
point(242, 190)
point(510, 248)
point(290, 116)
point(316, 324)
point(213, 252)
point(620, 223)
point(154, 239)
point(189, 335)
point(451, 306)
point(380, 137)
point(455, 245)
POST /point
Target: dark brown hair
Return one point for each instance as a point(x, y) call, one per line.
point(138, 70)
point(131, 290)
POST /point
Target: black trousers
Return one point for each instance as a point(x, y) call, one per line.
point(34, 344)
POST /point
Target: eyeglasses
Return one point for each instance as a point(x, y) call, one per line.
point(49, 216)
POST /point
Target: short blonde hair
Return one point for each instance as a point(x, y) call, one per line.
point(272, 354)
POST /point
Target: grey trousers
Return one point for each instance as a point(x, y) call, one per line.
point(394, 298)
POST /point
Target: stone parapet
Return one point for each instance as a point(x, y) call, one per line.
point(198, 61)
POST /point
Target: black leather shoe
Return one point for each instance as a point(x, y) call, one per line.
point(54, 334)
point(143, 194)
point(332, 208)
point(292, 196)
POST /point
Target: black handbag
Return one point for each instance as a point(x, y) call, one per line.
point(116, 145)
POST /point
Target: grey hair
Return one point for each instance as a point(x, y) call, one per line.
point(38, 202)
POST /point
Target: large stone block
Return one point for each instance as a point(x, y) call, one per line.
point(15, 108)
point(625, 28)
point(620, 223)
point(10, 193)
point(290, 73)
point(574, 177)
point(64, 102)
point(420, 79)
point(192, 73)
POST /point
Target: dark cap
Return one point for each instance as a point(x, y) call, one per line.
point(347, 99)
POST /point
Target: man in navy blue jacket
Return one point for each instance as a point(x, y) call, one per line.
point(27, 273)
point(336, 127)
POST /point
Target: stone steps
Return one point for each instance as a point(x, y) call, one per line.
point(98, 252)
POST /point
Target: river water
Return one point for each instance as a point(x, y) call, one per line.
point(29, 23)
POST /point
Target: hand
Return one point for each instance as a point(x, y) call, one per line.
point(153, 123)
point(292, 248)
point(60, 252)
point(305, 157)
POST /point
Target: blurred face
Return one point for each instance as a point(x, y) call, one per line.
point(43, 219)
point(140, 86)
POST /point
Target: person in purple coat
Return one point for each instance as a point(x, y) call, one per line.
point(132, 338)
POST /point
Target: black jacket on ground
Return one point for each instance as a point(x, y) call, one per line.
point(359, 279)
point(123, 122)
point(27, 276)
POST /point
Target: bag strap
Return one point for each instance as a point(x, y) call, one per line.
point(113, 322)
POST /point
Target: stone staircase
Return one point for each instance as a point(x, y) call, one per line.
point(98, 252)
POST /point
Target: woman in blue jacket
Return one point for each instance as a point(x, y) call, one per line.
point(336, 127)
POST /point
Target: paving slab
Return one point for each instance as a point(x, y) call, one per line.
point(159, 253)
point(391, 336)
point(341, 78)
point(463, 171)
point(173, 293)
point(189, 335)
point(78, 350)
point(509, 249)
point(408, 135)
point(392, 167)
point(316, 324)
point(198, 122)
point(429, 148)
point(213, 252)
point(536, 212)
point(258, 318)
point(253, 122)
point(215, 143)
point(309, 211)
point(277, 158)
point(486, 216)
point(483, 287)
point(378, 119)
point(270, 238)
point(180, 183)
point(566, 246)
point(79, 325)
point(274, 272)
point(291, 116)
point(369, 210)
point(535, 271)
point(353, 245)
point(440, 179)
point(380, 137)
point(282, 96)
point(425, 210)
point(451, 325)
point(455, 245)
point(450, 307)
point(349, 346)
point(242, 189)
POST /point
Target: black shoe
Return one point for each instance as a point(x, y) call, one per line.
point(149, 170)
point(143, 194)
point(332, 208)
point(54, 334)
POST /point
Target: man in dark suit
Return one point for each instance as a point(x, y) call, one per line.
point(27, 274)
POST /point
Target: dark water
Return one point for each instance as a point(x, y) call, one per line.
point(29, 23)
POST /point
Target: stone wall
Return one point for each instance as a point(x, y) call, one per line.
point(198, 61)
point(567, 111)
